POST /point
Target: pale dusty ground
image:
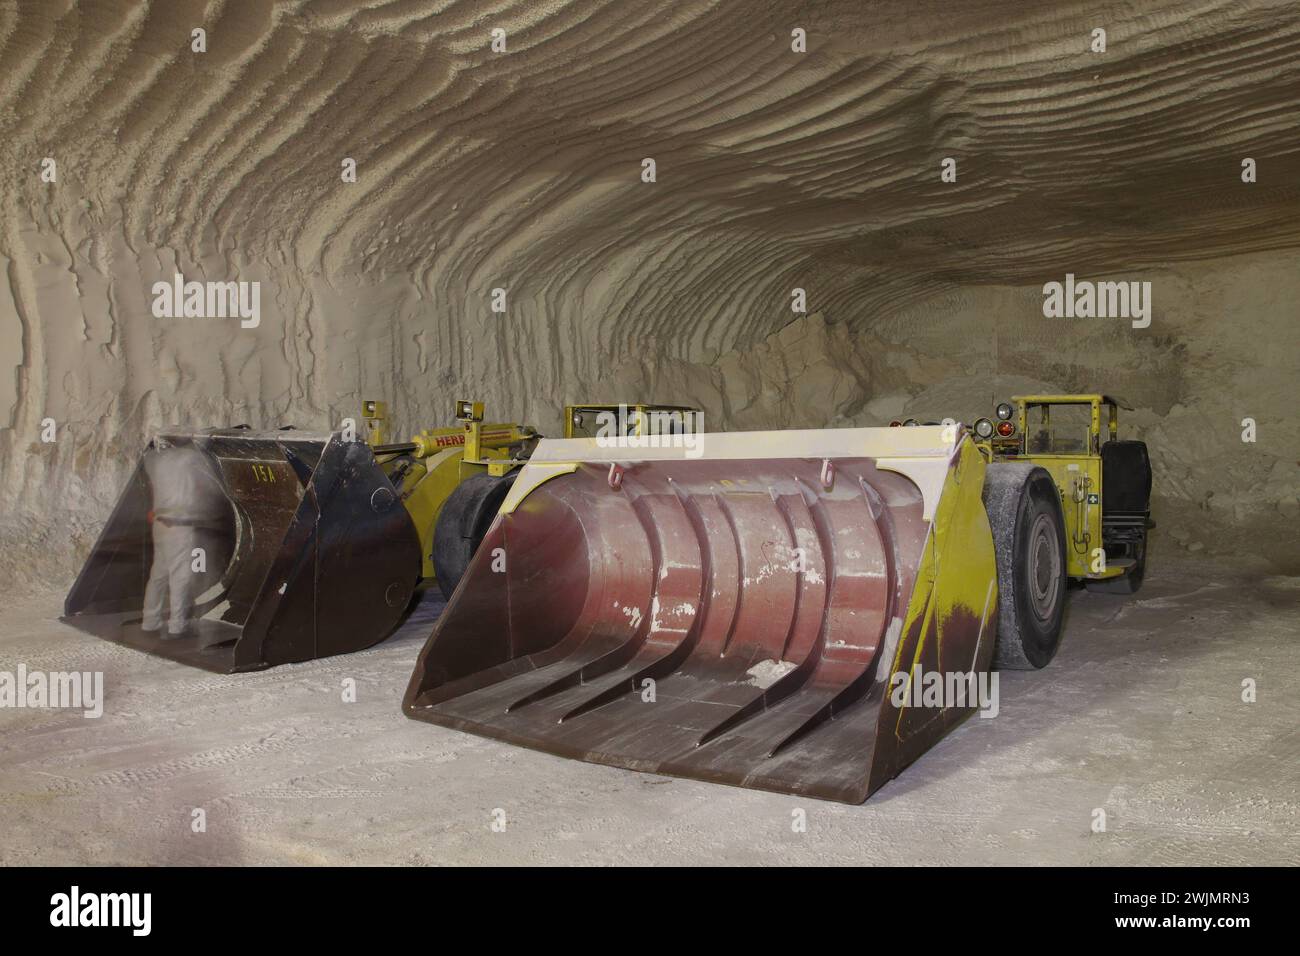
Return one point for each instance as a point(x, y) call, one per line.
point(1140, 714)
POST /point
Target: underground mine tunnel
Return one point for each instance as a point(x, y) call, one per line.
point(624, 382)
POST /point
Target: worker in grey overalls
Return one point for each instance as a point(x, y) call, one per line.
point(188, 504)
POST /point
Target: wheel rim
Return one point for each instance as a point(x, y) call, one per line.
point(1044, 567)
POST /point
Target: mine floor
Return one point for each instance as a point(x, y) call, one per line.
point(1140, 716)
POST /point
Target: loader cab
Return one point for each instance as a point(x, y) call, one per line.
point(1105, 483)
point(639, 420)
point(1070, 425)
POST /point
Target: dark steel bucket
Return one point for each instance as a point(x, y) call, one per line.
point(318, 556)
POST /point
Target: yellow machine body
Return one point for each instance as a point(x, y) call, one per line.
point(429, 467)
point(1074, 462)
point(435, 461)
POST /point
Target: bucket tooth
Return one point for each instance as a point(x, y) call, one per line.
point(674, 592)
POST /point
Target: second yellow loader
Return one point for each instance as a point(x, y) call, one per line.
point(317, 547)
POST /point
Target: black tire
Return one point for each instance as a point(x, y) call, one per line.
point(464, 519)
point(1129, 583)
point(1024, 509)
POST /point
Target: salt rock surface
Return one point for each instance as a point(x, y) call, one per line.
point(522, 171)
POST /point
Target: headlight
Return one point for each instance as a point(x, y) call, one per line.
point(983, 429)
point(910, 422)
point(1006, 429)
point(1005, 411)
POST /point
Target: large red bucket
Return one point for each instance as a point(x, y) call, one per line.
point(730, 618)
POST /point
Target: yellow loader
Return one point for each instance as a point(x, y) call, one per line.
point(799, 611)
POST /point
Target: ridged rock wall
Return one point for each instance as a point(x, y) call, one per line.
point(480, 170)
